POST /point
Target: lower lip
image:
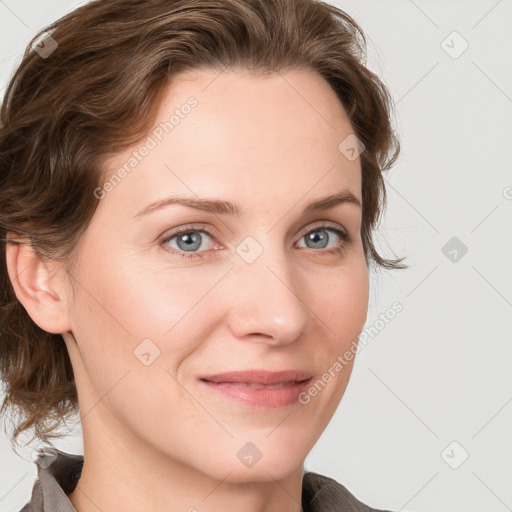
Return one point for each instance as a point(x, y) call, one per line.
point(260, 397)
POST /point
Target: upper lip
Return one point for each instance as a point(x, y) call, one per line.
point(259, 376)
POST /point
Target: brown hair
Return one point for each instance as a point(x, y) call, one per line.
point(98, 92)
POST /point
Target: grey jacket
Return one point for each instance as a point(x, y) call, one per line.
point(58, 474)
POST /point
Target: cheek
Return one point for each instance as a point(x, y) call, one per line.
point(124, 312)
point(345, 303)
point(344, 310)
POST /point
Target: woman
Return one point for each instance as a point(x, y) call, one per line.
point(188, 195)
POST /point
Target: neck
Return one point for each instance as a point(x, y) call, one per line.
point(124, 473)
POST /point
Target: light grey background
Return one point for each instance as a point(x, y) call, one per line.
point(438, 372)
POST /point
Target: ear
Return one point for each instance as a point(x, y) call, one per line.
point(41, 287)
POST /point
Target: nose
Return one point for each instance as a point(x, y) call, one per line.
point(268, 300)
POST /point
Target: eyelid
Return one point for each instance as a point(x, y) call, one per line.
point(191, 227)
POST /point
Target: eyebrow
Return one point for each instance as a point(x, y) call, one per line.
point(217, 206)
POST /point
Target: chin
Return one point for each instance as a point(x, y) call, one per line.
point(263, 464)
point(268, 471)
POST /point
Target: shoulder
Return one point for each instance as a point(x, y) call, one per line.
point(57, 475)
point(321, 493)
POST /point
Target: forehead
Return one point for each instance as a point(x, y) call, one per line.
point(216, 132)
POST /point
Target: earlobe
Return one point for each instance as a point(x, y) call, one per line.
point(37, 287)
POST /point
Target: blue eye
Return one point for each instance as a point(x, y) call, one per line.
point(319, 242)
point(188, 240)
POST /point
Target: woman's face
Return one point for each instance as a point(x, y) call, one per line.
point(273, 287)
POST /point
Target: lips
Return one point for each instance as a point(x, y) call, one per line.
point(259, 378)
point(259, 388)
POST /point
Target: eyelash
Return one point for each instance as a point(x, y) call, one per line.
point(345, 237)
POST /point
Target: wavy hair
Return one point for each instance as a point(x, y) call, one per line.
point(98, 91)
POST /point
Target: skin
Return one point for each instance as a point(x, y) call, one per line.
point(154, 439)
